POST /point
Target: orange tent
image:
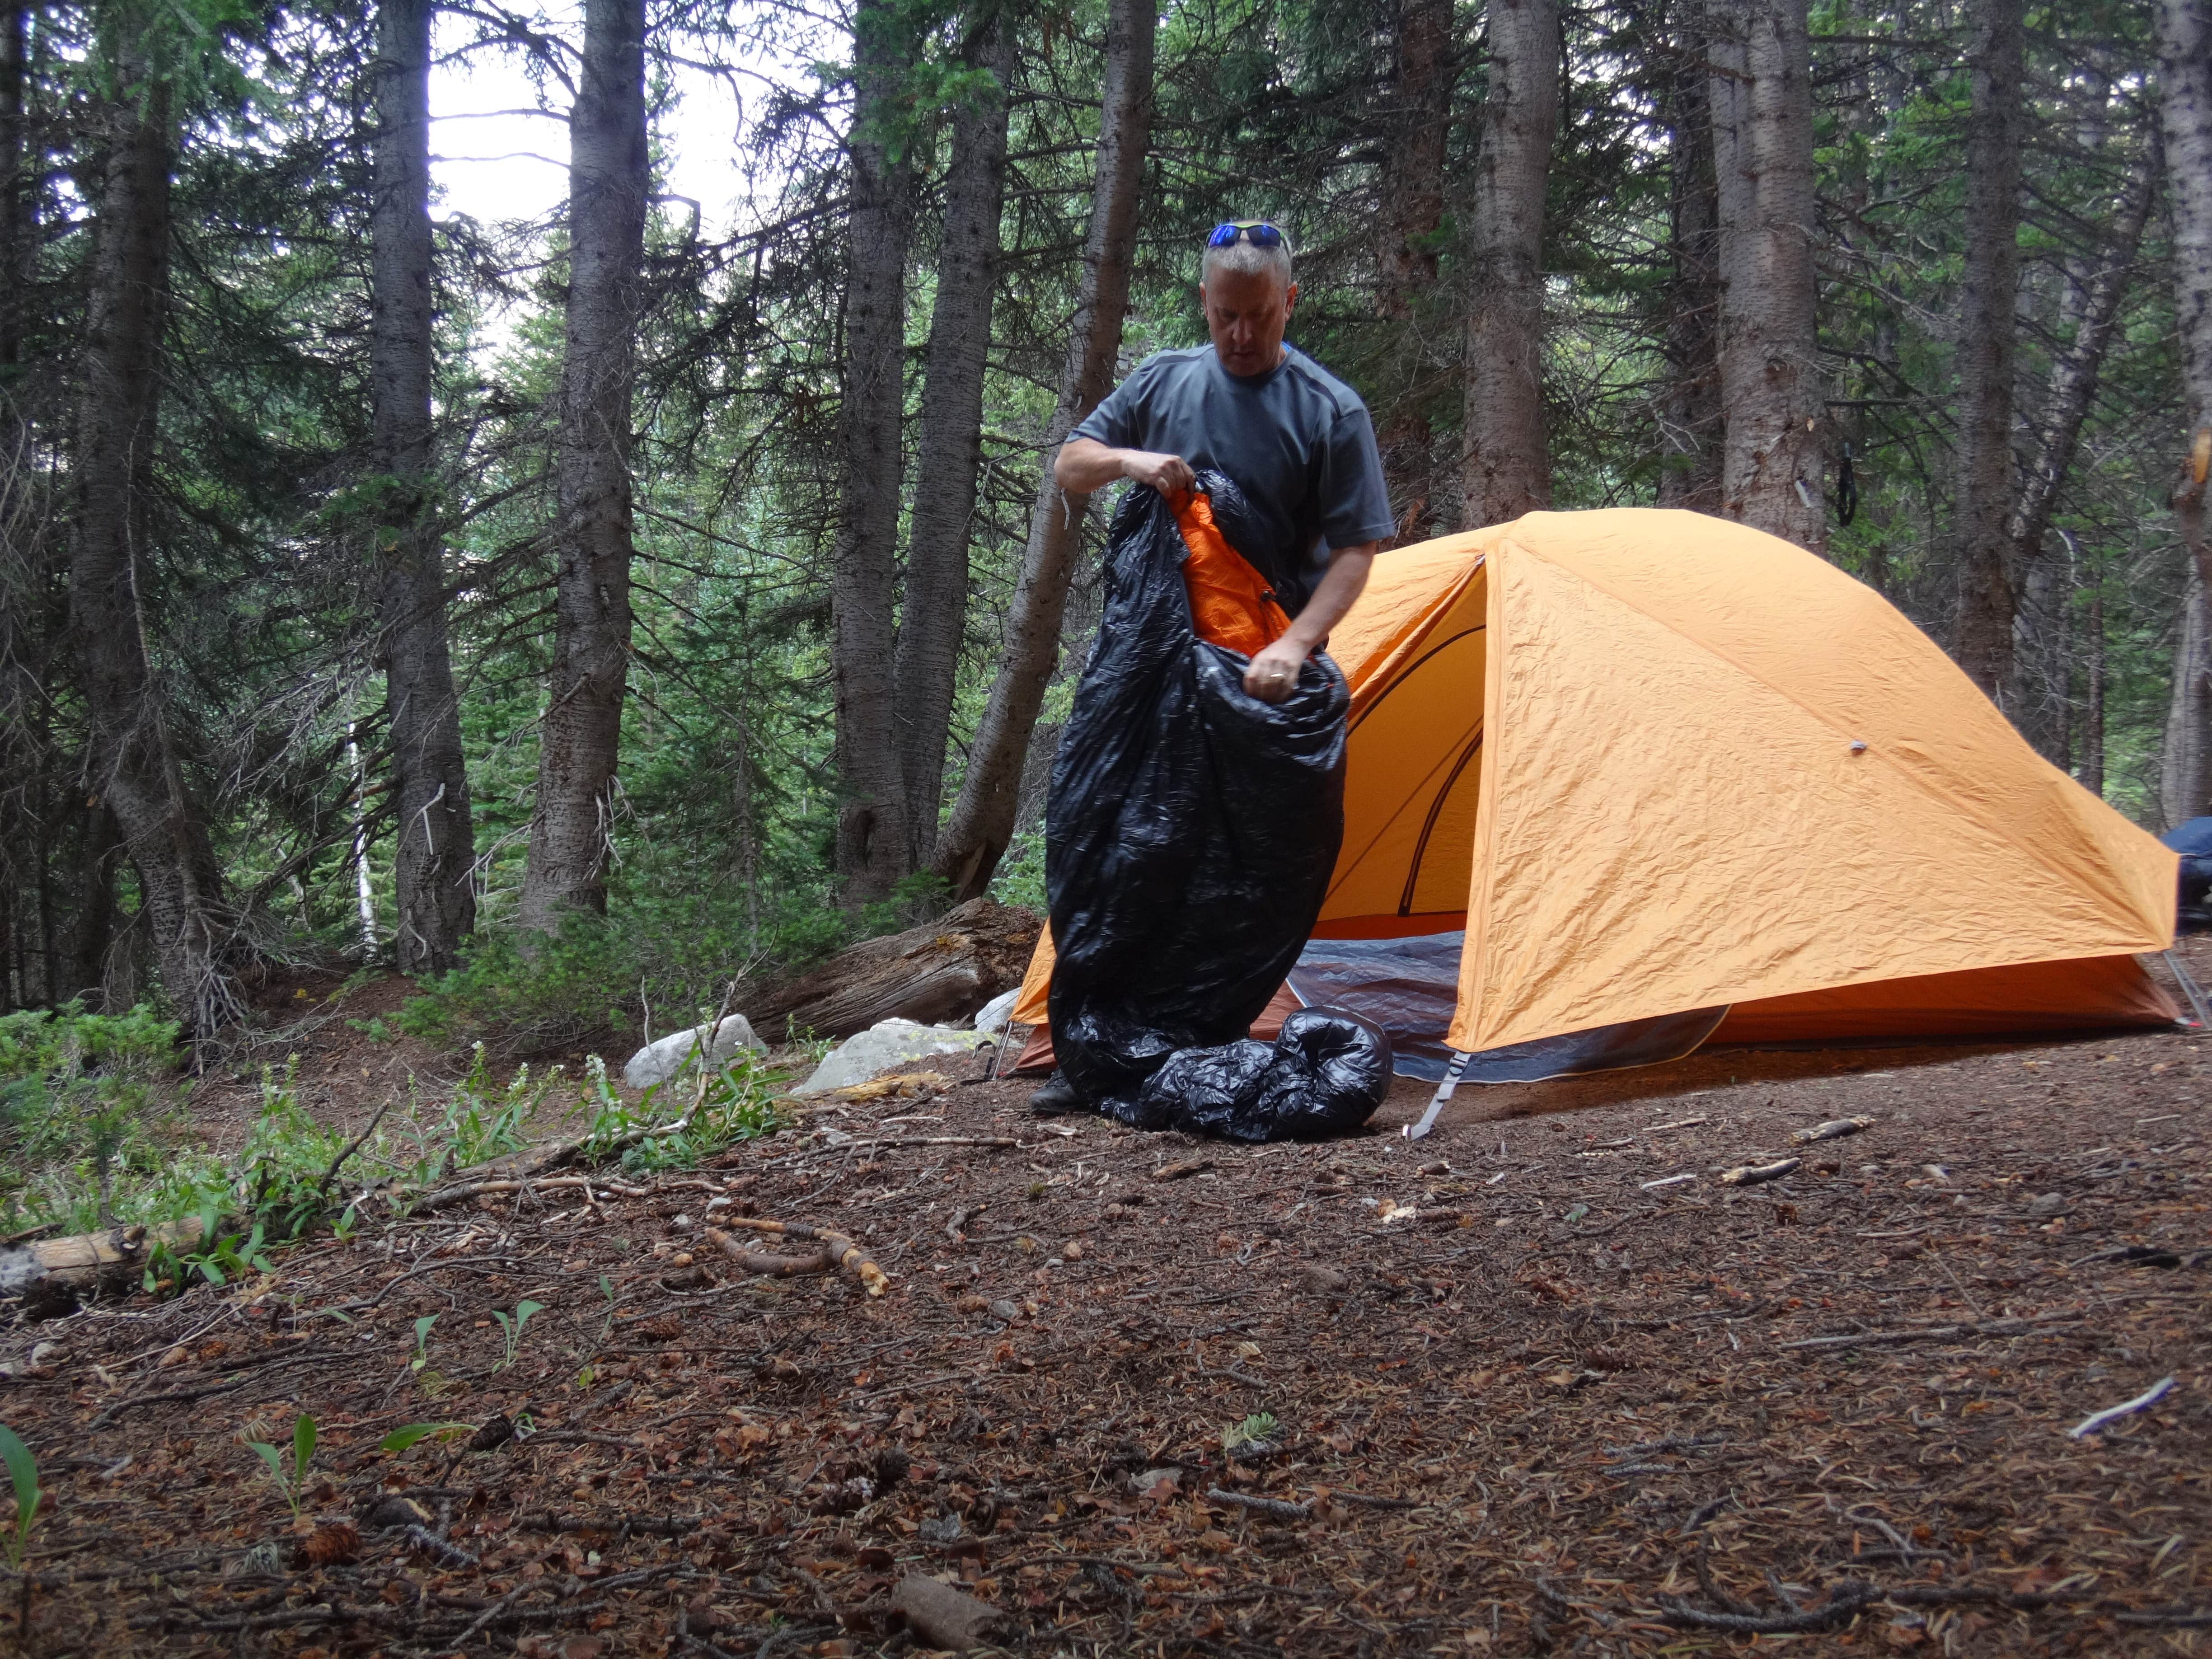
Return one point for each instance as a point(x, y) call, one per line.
point(1653, 762)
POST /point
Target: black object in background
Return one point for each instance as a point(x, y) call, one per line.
point(2193, 840)
point(1192, 829)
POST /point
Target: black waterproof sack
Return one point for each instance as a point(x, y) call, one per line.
point(1325, 1075)
point(1191, 828)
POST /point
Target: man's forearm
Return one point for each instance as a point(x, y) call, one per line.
point(1339, 585)
point(1085, 466)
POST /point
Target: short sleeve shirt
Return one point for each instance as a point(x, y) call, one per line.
point(1297, 440)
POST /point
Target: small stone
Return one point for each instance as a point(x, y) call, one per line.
point(1157, 1483)
point(1005, 1310)
point(1071, 1251)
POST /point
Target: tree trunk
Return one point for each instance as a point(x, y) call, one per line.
point(1761, 100)
point(1989, 288)
point(16, 203)
point(1509, 465)
point(2089, 315)
point(2092, 773)
point(572, 828)
point(1690, 407)
point(2185, 777)
point(434, 849)
point(133, 765)
point(935, 612)
point(1418, 122)
point(982, 818)
point(872, 844)
point(2185, 53)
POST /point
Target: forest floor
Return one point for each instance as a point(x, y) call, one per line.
point(1522, 1402)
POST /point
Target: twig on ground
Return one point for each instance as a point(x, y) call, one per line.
point(2148, 1398)
point(353, 1146)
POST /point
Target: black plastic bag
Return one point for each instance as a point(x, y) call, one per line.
point(1192, 829)
point(1324, 1075)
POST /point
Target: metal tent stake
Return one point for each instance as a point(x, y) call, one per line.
point(1453, 1073)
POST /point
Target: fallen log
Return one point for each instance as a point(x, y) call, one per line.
point(942, 971)
point(51, 1274)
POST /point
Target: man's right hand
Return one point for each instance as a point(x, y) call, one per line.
point(1085, 465)
point(1166, 473)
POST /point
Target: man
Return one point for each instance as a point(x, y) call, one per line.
point(1296, 441)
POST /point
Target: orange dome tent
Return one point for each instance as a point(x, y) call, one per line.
point(1654, 762)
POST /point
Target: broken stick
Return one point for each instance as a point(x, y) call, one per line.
point(837, 1251)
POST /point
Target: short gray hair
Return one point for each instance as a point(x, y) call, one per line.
point(1243, 257)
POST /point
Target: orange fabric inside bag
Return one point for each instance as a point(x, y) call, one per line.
point(1231, 604)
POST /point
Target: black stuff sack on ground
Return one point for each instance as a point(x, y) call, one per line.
point(1192, 828)
point(1324, 1075)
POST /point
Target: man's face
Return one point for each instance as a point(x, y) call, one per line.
point(1246, 313)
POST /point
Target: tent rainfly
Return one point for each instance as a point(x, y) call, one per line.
point(1656, 767)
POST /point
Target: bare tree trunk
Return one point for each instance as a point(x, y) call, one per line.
point(1761, 100)
point(951, 455)
point(1508, 464)
point(2185, 53)
point(1989, 291)
point(872, 844)
point(135, 770)
point(2185, 777)
point(1690, 408)
point(1418, 119)
point(572, 828)
point(982, 820)
point(2093, 714)
point(2088, 316)
point(15, 203)
point(435, 843)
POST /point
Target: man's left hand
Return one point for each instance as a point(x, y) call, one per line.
point(1273, 674)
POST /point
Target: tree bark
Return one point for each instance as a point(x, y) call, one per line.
point(2184, 51)
point(1509, 465)
point(2184, 776)
point(572, 828)
point(2092, 773)
point(434, 849)
point(1690, 408)
point(2089, 315)
point(1418, 119)
point(982, 818)
point(1761, 100)
point(1989, 290)
point(134, 764)
point(951, 455)
point(872, 843)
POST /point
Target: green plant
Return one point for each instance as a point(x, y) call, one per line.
point(401, 1438)
point(1254, 1435)
point(510, 1330)
point(421, 1342)
point(291, 1477)
point(23, 1475)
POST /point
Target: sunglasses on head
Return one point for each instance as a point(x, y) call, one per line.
point(1258, 232)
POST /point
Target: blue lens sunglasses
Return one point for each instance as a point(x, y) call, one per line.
point(1258, 232)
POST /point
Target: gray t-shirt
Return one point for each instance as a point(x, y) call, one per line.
point(1297, 440)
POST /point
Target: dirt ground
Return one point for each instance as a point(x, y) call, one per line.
point(1523, 1399)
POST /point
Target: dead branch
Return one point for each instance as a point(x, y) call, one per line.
point(1834, 1129)
point(1844, 1603)
point(1752, 1175)
point(1281, 1509)
point(837, 1250)
point(445, 1197)
point(1935, 1333)
point(353, 1146)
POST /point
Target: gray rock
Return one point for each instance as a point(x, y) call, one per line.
point(888, 1043)
point(993, 1016)
point(657, 1063)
